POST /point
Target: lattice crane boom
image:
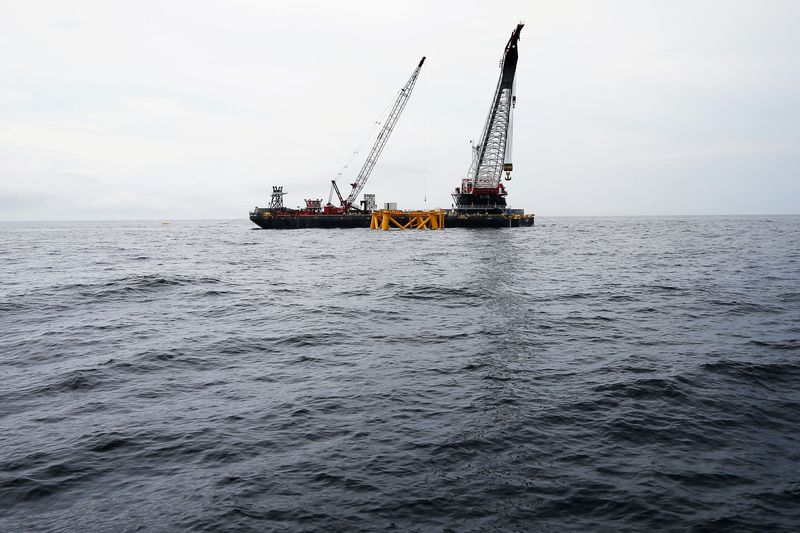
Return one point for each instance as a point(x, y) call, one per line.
point(493, 155)
point(383, 136)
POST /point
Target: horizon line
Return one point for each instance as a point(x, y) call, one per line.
point(167, 219)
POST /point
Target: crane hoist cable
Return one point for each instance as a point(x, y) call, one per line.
point(378, 121)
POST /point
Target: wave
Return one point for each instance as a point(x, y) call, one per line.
point(758, 373)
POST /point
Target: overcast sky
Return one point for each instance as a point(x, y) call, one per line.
point(194, 109)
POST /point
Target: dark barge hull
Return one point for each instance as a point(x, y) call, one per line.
point(488, 221)
point(309, 221)
point(265, 220)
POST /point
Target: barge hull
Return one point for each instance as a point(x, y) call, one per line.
point(310, 221)
point(267, 221)
point(488, 221)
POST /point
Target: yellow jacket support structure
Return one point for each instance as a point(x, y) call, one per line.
point(387, 219)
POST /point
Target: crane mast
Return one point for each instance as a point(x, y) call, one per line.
point(380, 142)
point(482, 189)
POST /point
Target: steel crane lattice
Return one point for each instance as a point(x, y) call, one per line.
point(493, 155)
point(383, 136)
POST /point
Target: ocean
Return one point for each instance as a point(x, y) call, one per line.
point(586, 374)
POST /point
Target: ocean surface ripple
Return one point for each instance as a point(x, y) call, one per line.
point(587, 374)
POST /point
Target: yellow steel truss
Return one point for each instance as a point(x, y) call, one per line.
point(387, 219)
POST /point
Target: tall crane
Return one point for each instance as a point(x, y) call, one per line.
point(380, 142)
point(482, 190)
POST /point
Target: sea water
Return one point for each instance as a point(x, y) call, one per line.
point(585, 374)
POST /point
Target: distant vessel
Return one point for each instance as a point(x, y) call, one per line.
point(480, 200)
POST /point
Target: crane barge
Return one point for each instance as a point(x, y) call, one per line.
point(480, 200)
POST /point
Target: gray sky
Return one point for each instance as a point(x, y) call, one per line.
point(194, 109)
